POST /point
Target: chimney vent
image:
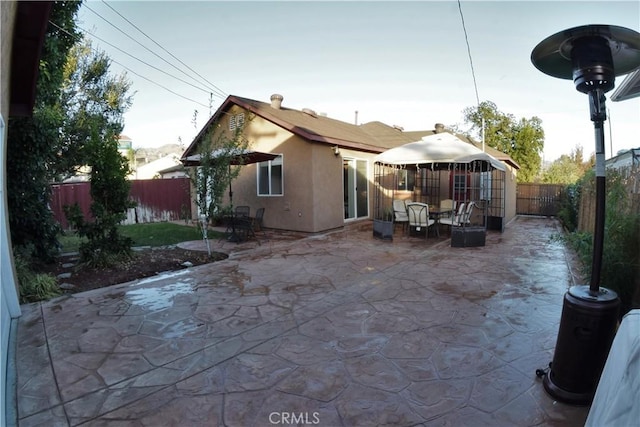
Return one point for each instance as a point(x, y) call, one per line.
point(276, 101)
point(310, 112)
point(439, 128)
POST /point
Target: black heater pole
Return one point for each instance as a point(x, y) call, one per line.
point(598, 116)
point(591, 56)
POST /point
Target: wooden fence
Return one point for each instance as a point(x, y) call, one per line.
point(587, 211)
point(539, 199)
point(157, 200)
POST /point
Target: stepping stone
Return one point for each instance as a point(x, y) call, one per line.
point(64, 275)
point(68, 264)
point(67, 287)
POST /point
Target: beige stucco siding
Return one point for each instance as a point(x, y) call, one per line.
point(510, 196)
point(313, 199)
point(293, 210)
point(328, 200)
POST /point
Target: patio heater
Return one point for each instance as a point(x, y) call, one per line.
point(592, 56)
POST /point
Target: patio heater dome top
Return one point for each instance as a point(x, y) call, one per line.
point(590, 55)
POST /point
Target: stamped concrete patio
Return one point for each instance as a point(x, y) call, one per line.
point(336, 329)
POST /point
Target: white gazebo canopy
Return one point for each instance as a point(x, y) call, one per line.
point(440, 148)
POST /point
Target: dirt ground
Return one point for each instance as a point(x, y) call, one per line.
point(145, 263)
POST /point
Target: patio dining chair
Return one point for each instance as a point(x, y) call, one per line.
point(455, 219)
point(447, 207)
point(400, 215)
point(243, 211)
point(419, 218)
point(466, 219)
point(256, 222)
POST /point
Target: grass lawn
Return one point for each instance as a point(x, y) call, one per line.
point(147, 234)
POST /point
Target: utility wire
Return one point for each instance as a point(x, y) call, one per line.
point(133, 72)
point(466, 38)
point(169, 53)
point(140, 60)
point(146, 48)
point(473, 72)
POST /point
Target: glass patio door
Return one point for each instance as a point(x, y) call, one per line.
point(356, 188)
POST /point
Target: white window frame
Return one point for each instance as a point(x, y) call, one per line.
point(269, 164)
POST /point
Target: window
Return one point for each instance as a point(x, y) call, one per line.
point(270, 177)
point(406, 180)
point(236, 121)
point(485, 185)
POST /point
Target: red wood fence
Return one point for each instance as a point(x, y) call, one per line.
point(157, 200)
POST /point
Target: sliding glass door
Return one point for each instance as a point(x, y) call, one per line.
point(356, 188)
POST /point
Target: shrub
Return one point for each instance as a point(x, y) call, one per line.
point(621, 241)
point(33, 286)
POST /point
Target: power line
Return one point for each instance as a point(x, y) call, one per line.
point(143, 46)
point(466, 38)
point(169, 53)
point(473, 72)
point(133, 72)
point(140, 60)
point(159, 85)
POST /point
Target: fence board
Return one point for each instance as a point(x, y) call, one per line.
point(539, 199)
point(157, 200)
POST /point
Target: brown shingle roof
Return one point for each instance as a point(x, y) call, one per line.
point(374, 137)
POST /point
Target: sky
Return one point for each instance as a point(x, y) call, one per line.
point(401, 63)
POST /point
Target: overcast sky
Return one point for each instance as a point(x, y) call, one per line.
point(401, 63)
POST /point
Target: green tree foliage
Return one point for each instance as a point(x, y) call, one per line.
point(568, 169)
point(213, 177)
point(522, 139)
point(95, 103)
point(32, 142)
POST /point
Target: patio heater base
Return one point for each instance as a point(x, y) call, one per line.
point(587, 328)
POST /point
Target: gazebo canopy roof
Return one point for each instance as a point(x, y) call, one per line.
point(440, 149)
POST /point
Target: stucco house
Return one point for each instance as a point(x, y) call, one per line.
point(323, 175)
point(22, 29)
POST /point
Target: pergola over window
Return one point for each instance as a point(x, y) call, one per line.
point(441, 166)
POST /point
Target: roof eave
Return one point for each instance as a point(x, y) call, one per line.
point(629, 88)
point(30, 29)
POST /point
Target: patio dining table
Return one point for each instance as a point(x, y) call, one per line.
point(239, 228)
point(436, 213)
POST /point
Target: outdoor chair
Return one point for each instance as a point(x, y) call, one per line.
point(400, 213)
point(466, 219)
point(419, 217)
point(256, 222)
point(244, 229)
point(447, 205)
point(455, 219)
point(243, 211)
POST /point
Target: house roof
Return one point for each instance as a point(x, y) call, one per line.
point(629, 88)
point(29, 30)
point(374, 137)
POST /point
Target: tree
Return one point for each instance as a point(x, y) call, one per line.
point(94, 102)
point(522, 139)
point(568, 169)
point(33, 142)
point(212, 178)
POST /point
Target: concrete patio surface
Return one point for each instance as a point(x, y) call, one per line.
point(335, 329)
